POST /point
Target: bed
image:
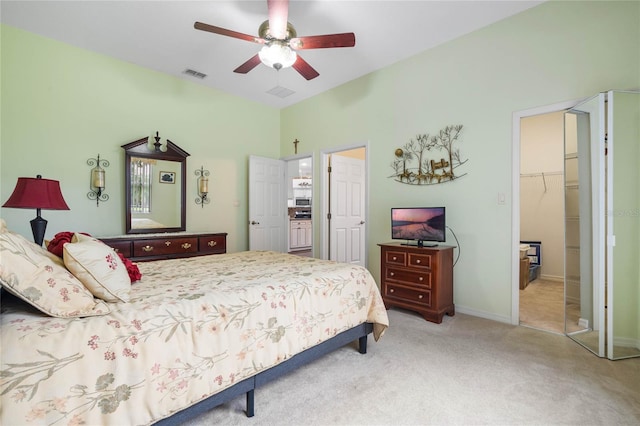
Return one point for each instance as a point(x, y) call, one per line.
point(194, 333)
point(145, 223)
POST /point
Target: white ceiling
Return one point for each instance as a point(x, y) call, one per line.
point(159, 35)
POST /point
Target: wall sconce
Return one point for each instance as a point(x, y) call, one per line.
point(37, 193)
point(203, 186)
point(97, 184)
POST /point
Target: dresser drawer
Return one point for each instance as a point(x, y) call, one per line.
point(123, 247)
point(164, 246)
point(419, 260)
point(213, 244)
point(396, 258)
point(417, 278)
point(419, 297)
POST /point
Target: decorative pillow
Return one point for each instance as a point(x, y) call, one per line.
point(31, 273)
point(59, 240)
point(98, 267)
point(132, 268)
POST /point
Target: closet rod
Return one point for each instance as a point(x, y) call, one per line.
point(541, 173)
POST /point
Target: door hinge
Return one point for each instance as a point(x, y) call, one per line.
point(329, 169)
point(329, 216)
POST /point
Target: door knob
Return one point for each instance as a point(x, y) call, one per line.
point(253, 222)
point(362, 222)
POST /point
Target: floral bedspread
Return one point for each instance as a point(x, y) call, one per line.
point(193, 327)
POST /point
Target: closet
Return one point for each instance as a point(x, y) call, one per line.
point(602, 224)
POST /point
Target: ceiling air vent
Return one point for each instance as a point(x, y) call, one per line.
point(194, 73)
point(281, 92)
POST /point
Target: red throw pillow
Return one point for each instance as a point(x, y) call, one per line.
point(132, 268)
point(55, 245)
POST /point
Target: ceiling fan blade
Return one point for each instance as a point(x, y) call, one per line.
point(229, 33)
point(323, 41)
point(249, 65)
point(304, 68)
point(278, 15)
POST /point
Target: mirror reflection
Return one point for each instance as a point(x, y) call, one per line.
point(623, 221)
point(155, 193)
point(582, 322)
point(155, 183)
point(602, 215)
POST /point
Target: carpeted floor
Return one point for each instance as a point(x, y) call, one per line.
point(542, 305)
point(465, 371)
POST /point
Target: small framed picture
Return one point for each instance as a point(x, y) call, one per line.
point(167, 177)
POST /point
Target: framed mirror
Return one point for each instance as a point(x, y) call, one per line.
point(155, 187)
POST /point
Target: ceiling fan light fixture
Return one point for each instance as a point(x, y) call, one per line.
point(277, 55)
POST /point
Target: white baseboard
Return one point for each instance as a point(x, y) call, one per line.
point(482, 314)
point(552, 278)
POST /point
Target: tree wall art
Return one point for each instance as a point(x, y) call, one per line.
point(430, 159)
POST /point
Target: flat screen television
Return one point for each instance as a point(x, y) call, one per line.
point(420, 226)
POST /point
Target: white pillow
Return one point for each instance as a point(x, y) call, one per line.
point(98, 267)
point(34, 275)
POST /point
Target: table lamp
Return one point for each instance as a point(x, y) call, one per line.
point(37, 193)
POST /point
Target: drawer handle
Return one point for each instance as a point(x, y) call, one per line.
point(394, 258)
point(420, 296)
point(185, 246)
point(391, 290)
point(421, 279)
point(167, 243)
point(418, 261)
point(147, 248)
point(212, 243)
point(391, 274)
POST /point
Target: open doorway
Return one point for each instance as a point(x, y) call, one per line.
point(519, 119)
point(299, 184)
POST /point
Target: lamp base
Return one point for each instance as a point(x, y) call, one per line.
point(38, 227)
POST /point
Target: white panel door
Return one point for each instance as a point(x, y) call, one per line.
point(347, 201)
point(267, 205)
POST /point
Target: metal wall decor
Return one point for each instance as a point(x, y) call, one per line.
point(422, 160)
point(203, 186)
point(97, 183)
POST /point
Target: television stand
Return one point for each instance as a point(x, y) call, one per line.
point(418, 278)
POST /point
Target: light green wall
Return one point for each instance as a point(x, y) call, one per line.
point(62, 105)
point(556, 52)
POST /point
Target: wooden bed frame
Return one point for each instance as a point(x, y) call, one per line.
point(249, 385)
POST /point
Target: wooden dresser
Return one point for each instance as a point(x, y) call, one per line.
point(419, 279)
point(168, 246)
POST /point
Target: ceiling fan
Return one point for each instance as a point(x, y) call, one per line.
point(280, 42)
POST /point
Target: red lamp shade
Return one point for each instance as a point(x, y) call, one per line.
point(37, 193)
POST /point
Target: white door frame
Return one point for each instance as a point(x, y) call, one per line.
point(515, 199)
point(324, 197)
